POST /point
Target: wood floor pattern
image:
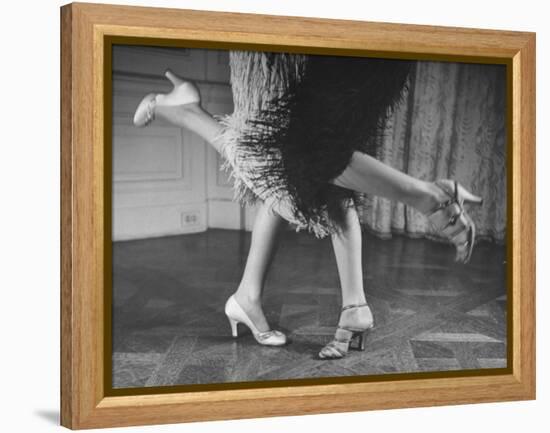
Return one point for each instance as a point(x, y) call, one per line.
point(430, 314)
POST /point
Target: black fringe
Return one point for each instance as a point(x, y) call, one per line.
point(309, 134)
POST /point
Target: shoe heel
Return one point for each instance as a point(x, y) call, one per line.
point(470, 198)
point(357, 341)
point(233, 324)
point(173, 78)
point(475, 200)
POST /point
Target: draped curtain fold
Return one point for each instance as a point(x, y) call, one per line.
point(452, 124)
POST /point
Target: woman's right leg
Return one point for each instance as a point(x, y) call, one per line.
point(260, 255)
point(181, 107)
point(193, 118)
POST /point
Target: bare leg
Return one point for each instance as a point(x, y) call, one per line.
point(346, 243)
point(363, 174)
point(366, 174)
point(262, 249)
point(347, 249)
point(266, 226)
point(193, 118)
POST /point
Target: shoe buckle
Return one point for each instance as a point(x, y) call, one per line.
point(265, 335)
point(150, 113)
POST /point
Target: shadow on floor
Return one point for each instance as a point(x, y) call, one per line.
point(49, 415)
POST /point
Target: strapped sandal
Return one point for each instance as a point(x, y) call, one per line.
point(451, 220)
point(346, 338)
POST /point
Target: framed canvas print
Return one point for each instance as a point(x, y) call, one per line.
point(264, 215)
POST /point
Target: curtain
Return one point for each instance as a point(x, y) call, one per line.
point(452, 124)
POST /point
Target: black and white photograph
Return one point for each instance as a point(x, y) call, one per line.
point(286, 216)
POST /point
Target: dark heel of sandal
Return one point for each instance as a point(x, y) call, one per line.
point(358, 340)
point(346, 339)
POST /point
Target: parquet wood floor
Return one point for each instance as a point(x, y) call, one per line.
point(430, 313)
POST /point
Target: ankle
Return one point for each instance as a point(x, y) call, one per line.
point(431, 196)
point(354, 301)
point(359, 317)
point(245, 295)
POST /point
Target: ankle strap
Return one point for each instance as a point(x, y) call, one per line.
point(347, 307)
point(453, 196)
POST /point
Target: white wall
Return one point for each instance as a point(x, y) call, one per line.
point(30, 217)
point(167, 180)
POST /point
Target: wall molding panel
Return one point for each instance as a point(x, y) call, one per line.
point(167, 180)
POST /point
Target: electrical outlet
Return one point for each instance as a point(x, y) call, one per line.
point(190, 218)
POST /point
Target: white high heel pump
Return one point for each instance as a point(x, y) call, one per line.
point(236, 314)
point(184, 92)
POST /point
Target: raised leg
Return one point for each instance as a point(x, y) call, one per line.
point(364, 173)
point(368, 175)
point(193, 118)
point(441, 201)
point(181, 107)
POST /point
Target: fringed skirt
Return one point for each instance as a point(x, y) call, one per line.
point(296, 123)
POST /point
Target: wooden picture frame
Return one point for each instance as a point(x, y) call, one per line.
point(86, 30)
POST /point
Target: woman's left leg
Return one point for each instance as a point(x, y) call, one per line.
point(347, 245)
point(368, 175)
point(193, 118)
point(441, 201)
point(355, 314)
